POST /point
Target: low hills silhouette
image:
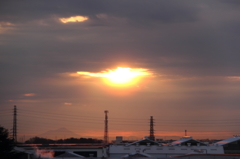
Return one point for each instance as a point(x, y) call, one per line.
point(61, 133)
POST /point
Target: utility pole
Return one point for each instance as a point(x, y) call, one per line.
point(151, 136)
point(15, 123)
point(105, 141)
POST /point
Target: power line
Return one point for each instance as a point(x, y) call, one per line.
point(177, 122)
point(125, 119)
point(139, 124)
point(47, 113)
point(30, 119)
point(122, 123)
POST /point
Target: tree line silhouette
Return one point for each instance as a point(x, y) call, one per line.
point(40, 140)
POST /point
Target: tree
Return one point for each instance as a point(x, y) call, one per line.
point(39, 140)
point(6, 144)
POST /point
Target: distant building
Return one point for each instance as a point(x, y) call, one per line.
point(159, 140)
point(119, 140)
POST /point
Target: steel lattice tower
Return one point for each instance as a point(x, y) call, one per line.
point(106, 128)
point(151, 136)
point(15, 123)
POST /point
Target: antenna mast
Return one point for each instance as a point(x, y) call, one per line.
point(151, 137)
point(15, 123)
point(106, 128)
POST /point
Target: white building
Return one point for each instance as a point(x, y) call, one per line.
point(230, 145)
point(152, 149)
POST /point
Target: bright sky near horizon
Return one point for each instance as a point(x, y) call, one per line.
point(64, 62)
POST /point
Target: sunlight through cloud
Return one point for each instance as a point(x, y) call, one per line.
point(73, 19)
point(119, 75)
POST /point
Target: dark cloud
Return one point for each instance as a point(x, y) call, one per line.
point(138, 10)
point(232, 2)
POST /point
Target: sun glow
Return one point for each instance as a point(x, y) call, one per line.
point(120, 76)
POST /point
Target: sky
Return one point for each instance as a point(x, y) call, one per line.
point(53, 54)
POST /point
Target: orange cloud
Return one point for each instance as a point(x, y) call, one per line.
point(29, 94)
point(235, 78)
point(119, 70)
point(73, 19)
point(120, 76)
point(122, 81)
point(4, 26)
point(68, 103)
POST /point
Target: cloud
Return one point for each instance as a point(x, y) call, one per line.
point(120, 75)
point(29, 94)
point(68, 103)
point(5, 26)
point(234, 78)
point(73, 19)
point(134, 72)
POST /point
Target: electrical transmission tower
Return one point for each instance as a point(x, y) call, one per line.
point(106, 128)
point(151, 136)
point(15, 123)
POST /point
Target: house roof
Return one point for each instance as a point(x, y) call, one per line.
point(144, 142)
point(227, 141)
point(186, 139)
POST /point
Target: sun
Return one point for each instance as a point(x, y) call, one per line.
point(122, 75)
